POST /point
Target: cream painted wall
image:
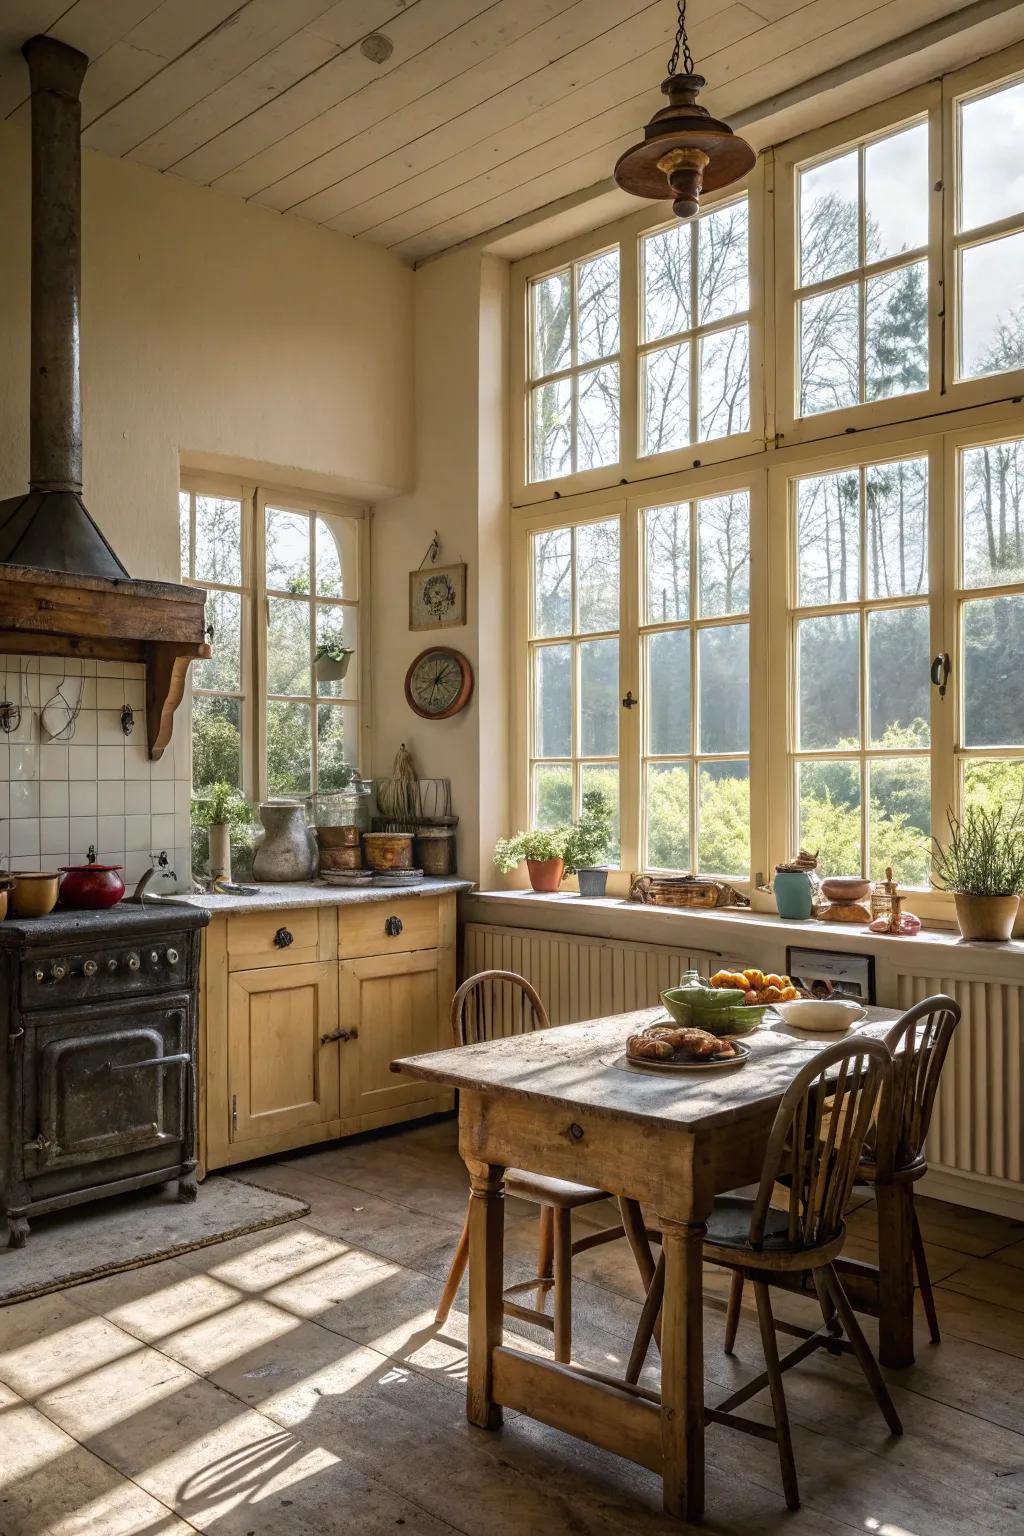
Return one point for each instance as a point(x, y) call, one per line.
point(461, 491)
point(210, 328)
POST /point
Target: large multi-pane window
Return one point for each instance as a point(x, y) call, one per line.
point(862, 273)
point(282, 581)
point(574, 367)
point(989, 239)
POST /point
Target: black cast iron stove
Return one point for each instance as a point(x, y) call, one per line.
point(97, 1056)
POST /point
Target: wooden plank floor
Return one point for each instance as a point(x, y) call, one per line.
point(292, 1382)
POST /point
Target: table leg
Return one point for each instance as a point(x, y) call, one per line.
point(895, 1274)
point(486, 1269)
point(682, 1370)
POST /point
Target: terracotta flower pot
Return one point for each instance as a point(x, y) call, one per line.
point(986, 918)
point(545, 874)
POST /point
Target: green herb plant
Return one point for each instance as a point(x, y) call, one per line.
point(589, 837)
point(221, 805)
point(983, 853)
point(331, 646)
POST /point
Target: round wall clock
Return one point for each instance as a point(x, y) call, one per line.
point(439, 683)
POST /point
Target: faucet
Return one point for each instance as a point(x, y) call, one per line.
point(161, 864)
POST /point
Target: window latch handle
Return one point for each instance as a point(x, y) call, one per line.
point(629, 702)
point(941, 668)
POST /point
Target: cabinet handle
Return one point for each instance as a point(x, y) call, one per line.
point(392, 927)
point(283, 937)
point(339, 1034)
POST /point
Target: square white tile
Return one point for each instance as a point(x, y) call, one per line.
point(89, 690)
point(24, 838)
point(53, 837)
point(53, 761)
point(110, 669)
point(82, 764)
point(110, 693)
point(135, 866)
point(83, 831)
point(136, 834)
point(135, 694)
point(163, 831)
point(110, 762)
point(24, 798)
point(54, 799)
point(82, 799)
point(136, 798)
point(162, 796)
point(110, 832)
point(110, 797)
point(24, 763)
point(136, 759)
point(163, 767)
point(5, 760)
point(85, 729)
point(108, 728)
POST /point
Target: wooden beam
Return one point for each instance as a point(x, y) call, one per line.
point(607, 1416)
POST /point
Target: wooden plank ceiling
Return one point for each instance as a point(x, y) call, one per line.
point(482, 111)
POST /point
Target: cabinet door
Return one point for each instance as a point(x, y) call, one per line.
point(282, 1075)
point(396, 1004)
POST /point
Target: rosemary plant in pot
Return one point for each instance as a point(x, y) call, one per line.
point(221, 809)
point(544, 852)
point(588, 842)
point(982, 864)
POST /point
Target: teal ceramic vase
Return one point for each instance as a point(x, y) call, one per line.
point(793, 894)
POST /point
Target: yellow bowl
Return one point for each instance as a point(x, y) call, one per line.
point(35, 894)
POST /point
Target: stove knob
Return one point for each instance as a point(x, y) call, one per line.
point(154, 957)
point(111, 964)
point(40, 975)
point(90, 968)
point(133, 961)
point(172, 957)
point(57, 970)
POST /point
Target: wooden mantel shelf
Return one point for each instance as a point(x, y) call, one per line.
point(161, 624)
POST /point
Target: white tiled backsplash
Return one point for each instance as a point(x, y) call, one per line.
point(95, 788)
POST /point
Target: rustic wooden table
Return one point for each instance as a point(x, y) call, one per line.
point(555, 1102)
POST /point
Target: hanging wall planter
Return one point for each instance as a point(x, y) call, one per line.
point(331, 663)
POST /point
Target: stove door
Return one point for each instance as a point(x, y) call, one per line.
point(110, 1080)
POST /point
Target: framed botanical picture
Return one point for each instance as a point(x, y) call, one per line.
point(437, 597)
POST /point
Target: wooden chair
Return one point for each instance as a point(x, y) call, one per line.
point(918, 1042)
point(814, 1147)
point(495, 1005)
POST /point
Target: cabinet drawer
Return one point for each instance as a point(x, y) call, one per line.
point(382, 926)
point(272, 938)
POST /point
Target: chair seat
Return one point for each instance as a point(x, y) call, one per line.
point(867, 1171)
point(729, 1227)
point(543, 1190)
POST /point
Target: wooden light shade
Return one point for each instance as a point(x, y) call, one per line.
point(684, 151)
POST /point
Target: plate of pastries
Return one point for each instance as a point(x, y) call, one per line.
point(684, 1048)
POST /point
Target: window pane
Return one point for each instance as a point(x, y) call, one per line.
point(993, 515)
point(896, 333)
point(829, 799)
point(605, 778)
point(597, 313)
point(899, 820)
point(990, 785)
point(337, 626)
point(597, 419)
point(336, 746)
point(830, 351)
point(337, 557)
point(553, 686)
point(896, 512)
point(668, 692)
point(551, 430)
point(994, 672)
point(828, 538)
point(599, 698)
point(289, 767)
point(597, 576)
point(552, 795)
point(828, 219)
point(667, 554)
point(665, 391)
point(896, 193)
point(991, 294)
point(668, 816)
point(899, 687)
point(184, 530)
point(219, 540)
point(551, 338)
point(287, 646)
point(666, 260)
point(552, 582)
point(723, 829)
point(287, 551)
point(992, 172)
point(723, 664)
point(216, 742)
point(828, 658)
point(224, 668)
point(723, 540)
point(723, 267)
point(724, 399)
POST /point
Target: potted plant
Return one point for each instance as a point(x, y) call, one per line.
point(588, 841)
point(332, 658)
point(544, 852)
point(220, 809)
point(982, 865)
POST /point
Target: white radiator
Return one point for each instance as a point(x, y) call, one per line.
point(580, 978)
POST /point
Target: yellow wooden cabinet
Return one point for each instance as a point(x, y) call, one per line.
point(302, 1012)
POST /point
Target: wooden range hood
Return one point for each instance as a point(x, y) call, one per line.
point(63, 590)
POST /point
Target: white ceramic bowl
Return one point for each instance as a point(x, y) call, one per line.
point(820, 1014)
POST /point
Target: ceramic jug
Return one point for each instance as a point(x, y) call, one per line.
point(286, 851)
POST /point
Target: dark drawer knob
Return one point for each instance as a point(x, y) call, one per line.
point(576, 1131)
point(339, 1034)
point(392, 927)
point(283, 937)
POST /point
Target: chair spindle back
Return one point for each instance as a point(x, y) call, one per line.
point(494, 1005)
point(905, 1112)
point(817, 1138)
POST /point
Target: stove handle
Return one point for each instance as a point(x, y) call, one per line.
point(181, 1060)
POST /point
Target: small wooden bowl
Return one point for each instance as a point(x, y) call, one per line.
point(845, 887)
point(387, 850)
point(338, 837)
point(35, 894)
point(341, 858)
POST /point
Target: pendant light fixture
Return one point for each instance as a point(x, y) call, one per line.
point(685, 151)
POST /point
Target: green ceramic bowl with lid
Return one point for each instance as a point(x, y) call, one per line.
point(726, 1014)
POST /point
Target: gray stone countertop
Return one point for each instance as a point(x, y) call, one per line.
point(313, 893)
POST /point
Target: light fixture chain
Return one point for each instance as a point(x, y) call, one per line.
point(682, 43)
